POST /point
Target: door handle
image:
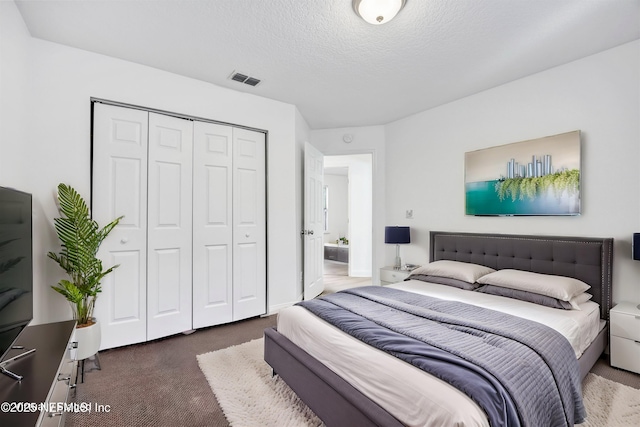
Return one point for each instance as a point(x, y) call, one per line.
point(303, 232)
point(310, 231)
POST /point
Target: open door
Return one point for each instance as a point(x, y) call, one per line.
point(313, 232)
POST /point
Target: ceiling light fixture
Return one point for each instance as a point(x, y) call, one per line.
point(378, 12)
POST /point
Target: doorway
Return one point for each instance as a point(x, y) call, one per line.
point(348, 210)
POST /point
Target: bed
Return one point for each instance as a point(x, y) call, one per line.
point(344, 400)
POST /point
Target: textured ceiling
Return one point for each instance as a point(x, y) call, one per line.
point(338, 70)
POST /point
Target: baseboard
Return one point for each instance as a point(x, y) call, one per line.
point(362, 273)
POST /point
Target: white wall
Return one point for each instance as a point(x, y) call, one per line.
point(598, 95)
point(366, 140)
point(14, 70)
point(338, 207)
point(48, 132)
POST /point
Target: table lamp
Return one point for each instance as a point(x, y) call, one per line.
point(397, 235)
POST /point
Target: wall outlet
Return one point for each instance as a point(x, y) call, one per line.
point(409, 213)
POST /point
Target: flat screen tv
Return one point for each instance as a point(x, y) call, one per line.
point(16, 266)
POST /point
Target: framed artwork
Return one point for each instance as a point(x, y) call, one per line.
point(536, 177)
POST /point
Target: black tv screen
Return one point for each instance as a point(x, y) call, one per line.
point(16, 266)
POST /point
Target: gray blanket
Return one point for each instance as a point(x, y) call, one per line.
point(520, 372)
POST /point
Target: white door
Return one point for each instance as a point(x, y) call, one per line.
point(120, 188)
point(313, 222)
point(212, 225)
point(249, 224)
point(169, 244)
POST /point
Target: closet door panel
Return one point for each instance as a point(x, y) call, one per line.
point(169, 226)
point(120, 188)
point(212, 225)
point(249, 218)
point(126, 304)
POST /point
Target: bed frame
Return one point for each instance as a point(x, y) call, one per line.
point(336, 402)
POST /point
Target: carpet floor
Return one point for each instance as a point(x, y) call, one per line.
point(159, 383)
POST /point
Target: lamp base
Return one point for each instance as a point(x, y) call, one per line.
point(398, 261)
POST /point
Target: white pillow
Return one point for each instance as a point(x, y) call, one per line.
point(561, 287)
point(579, 299)
point(454, 270)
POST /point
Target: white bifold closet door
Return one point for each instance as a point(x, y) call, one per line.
point(249, 220)
point(229, 224)
point(192, 244)
point(169, 226)
point(212, 225)
point(120, 188)
point(142, 170)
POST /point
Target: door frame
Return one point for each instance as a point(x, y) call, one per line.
point(374, 202)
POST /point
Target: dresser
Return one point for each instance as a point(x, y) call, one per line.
point(625, 336)
point(48, 376)
point(336, 252)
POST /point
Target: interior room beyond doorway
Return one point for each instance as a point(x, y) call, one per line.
point(348, 221)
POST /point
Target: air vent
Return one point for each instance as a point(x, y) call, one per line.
point(243, 78)
point(239, 77)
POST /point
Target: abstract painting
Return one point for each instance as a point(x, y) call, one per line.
point(535, 177)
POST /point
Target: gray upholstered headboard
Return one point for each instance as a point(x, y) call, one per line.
point(586, 259)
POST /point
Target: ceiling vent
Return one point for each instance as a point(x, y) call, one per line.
point(243, 78)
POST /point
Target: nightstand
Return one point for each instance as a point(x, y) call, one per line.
point(389, 275)
point(625, 336)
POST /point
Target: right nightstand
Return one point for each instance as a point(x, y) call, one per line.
point(625, 336)
point(389, 275)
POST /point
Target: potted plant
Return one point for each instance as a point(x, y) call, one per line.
point(80, 237)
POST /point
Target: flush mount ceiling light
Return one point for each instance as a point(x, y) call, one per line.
point(378, 12)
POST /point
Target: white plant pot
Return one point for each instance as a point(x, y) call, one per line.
point(88, 339)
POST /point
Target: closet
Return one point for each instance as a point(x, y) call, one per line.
point(192, 243)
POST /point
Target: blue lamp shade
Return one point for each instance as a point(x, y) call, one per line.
point(397, 235)
point(635, 247)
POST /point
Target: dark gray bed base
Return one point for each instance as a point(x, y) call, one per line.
point(338, 403)
point(332, 399)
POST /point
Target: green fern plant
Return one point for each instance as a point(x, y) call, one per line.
point(80, 237)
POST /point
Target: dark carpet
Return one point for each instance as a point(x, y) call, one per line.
point(160, 383)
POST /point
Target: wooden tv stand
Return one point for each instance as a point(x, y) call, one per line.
point(48, 375)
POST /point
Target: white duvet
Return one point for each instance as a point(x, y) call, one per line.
point(411, 395)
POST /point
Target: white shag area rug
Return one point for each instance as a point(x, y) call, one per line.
point(248, 395)
point(610, 403)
